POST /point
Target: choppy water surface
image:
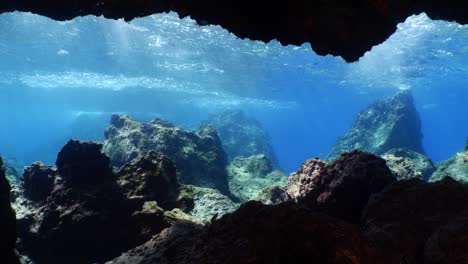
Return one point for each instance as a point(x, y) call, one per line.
point(64, 79)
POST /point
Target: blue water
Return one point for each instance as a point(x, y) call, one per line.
point(61, 80)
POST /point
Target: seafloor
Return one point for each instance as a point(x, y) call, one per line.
point(156, 193)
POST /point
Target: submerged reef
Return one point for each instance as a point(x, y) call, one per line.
point(242, 135)
point(456, 167)
point(247, 177)
point(83, 212)
point(7, 222)
point(198, 155)
point(405, 164)
point(384, 125)
point(388, 221)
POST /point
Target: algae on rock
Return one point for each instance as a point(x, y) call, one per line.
point(386, 124)
point(405, 164)
point(455, 167)
point(198, 155)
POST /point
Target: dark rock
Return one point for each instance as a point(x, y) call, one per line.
point(242, 135)
point(456, 167)
point(7, 222)
point(249, 176)
point(405, 164)
point(199, 156)
point(82, 164)
point(88, 219)
point(37, 181)
point(342, 28)
point(342, 187)
point(415, 222)
point(151, 178)
point(258, 233)
point(384, 125)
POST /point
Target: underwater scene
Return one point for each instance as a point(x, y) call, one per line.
point(162, 141)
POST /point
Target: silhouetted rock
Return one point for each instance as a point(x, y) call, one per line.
point(384, 125)
point(405, 164)
point(340, 188)
point(258, 233)
point(242, 135)
point(37, 181)
point(91, 214)
point(455, 167)
point(7, 222)
point(417, 222)
point(199, 156)
point(247, 177)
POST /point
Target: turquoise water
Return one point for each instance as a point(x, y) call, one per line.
point(61, 80)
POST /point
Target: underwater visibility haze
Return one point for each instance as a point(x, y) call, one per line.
point(160, 119)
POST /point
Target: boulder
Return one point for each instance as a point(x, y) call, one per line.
point(405, 164)
point(199, 156)
point(247, 177)
point(456, 167)
point(242, 135)
point(417, 222)
point(384, 125)
point(7, 222)
point(340, 188)
point(210, 204)
point(258, 233)
point(92, 214)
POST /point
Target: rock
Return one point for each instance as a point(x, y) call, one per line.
point(455, 167)
point(384, 125)
point(37, 181)
point(342, 187)
point(249, 176)
point(417, 222)
point(304, 180)
point(271, 195)
point(92, 214)
point(199, 156)
point(150, 178)
point(242, 135)
point(7, 222)
point(210, 204)
point(258, 233)
point(405, 164)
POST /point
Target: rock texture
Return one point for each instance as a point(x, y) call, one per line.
point(247, 177)
point(405, 164)
point(242, 135)
point(7, 222)
point(258, 233)
point(455, 167)
point(417, 222)
point(199, 156)
point(83, 212)
point(210, 204)
point(343, 28)
point(384, 125)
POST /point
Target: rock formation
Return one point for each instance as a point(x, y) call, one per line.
point(343, 28)
point(210, 204)
point(83, 212)
point(384, 125)
point(199, 156)
point(247, 177)
point(242, 135)
point(405, 164)
point(7, 222)
point(455, 167)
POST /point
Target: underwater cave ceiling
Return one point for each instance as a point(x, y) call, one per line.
point(338, 27)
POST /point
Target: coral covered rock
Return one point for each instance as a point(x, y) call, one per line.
point(7, 222)
point(384, 125)
point(242, 135)
point(412, 221)
point(342, 187)
point(258, 233)
point(249, 176)
point(405, 164)
point(199, 156)
point(455, 167)
point(91, 214)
